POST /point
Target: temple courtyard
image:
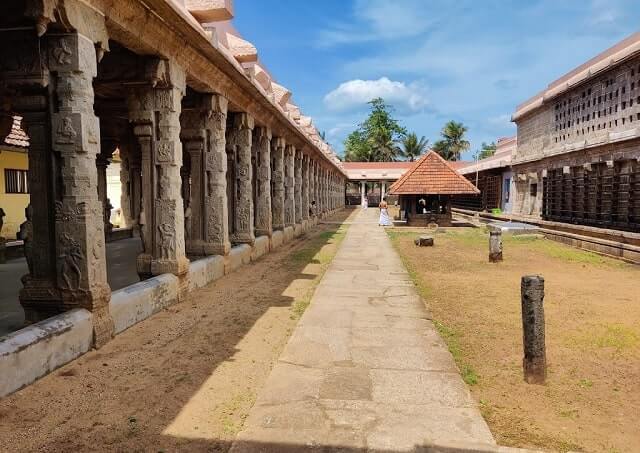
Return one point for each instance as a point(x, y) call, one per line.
point(591, 397)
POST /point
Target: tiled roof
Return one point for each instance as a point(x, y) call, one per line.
point(17, 136)
point(432, 175)
point(376, 165)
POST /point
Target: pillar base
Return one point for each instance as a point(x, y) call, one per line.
point(263, 232)
point(243, 238)
point(149, 267)
point(202, 248)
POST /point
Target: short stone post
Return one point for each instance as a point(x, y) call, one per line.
point(495, 245)
point(532, 298)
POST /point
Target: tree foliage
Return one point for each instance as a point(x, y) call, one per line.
point(487, 150)
point(453, 142)
point(412, 147)
point(377, 138)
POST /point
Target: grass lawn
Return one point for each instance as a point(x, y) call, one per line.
point(591, 399)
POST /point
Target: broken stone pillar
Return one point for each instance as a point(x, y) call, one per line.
point(154, 111)
point(424, 241)
point(305, 186)
point(81, 267)
point(495, 245)
point(239, 137)
point(298, 185)
point(277, 175)
point(262, 149)
point(289, 189)
point(532, 299)
point(204, 136)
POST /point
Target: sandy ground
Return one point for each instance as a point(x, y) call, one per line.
point(183, 380)
point(592, 308)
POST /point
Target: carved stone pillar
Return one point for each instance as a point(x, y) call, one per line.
point(297, 184)
point(79, 226)
point(305, 186)
point(262, 150)
point(204, 136)
point(239, 137)
point(154, 110)
point(289, 189)
point(125, 187)
point(277, 175)
point(311, 174)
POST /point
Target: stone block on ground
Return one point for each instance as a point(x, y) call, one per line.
point(424, 241)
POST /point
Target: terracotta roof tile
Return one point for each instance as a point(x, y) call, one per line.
point(432, 175)
point(376, 165)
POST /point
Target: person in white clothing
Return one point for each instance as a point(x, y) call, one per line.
point(384, 214)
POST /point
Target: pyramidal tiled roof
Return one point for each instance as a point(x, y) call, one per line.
point(432, 175)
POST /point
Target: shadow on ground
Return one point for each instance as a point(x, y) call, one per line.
point(191, 371)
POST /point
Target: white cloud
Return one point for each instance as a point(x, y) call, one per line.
point(356, 93)
point(377, 20)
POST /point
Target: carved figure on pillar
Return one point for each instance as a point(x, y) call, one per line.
point(289, 189)
point(262, 150)
point(239, 139)
point(154, 110)
point(298, 185)
point(277, 178)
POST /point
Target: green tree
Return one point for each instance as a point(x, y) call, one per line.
point(375, 139)
point(412, 147)
point(453, 142)
point(487, 150)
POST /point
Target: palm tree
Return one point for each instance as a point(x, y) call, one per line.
point(453, 143)
point(453, 135)
point(383, 147)
point(412, 147)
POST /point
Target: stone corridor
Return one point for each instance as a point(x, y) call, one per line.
point(365, 367)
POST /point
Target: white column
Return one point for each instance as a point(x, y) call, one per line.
point(362, 185)
point(383, 191)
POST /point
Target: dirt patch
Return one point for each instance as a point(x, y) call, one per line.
point(183, 380)
point(592, 307)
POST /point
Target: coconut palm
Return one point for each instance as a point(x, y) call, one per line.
point(383, 147)
point(412, 147)
point(453, 142)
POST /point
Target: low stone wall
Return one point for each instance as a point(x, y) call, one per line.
point(205, 270)
point(239, 255)
point(260, 247)
point(289, 234)
point(30, 353)
point(614, 243)
point(137, 302)
point(277, 239)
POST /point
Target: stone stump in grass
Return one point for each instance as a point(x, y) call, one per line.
point(532, 298)
point(424, 241)
point(495, 245)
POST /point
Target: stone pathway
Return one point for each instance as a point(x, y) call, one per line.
point(365, 368)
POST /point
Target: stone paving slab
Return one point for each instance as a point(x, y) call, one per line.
point(365, 368)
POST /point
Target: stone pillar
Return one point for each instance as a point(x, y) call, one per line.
point(277, 174)
point(384, 190)
point(81, 267)
point(362, 192)
point(125, 187)
point(305, 186)
point(532, 300)
point(204, 136)
point(495, 244)
point(312, 186)
point(289, 179)
point(298, 185)
point(154, 111)
point(262, 150)
point(239, 138)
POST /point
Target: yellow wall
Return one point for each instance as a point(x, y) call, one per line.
point(12, 203)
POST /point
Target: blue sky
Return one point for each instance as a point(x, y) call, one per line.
point(433, 60)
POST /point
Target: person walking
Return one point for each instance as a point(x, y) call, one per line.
point(384, 214)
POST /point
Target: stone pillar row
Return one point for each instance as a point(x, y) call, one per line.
point(225, 203)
